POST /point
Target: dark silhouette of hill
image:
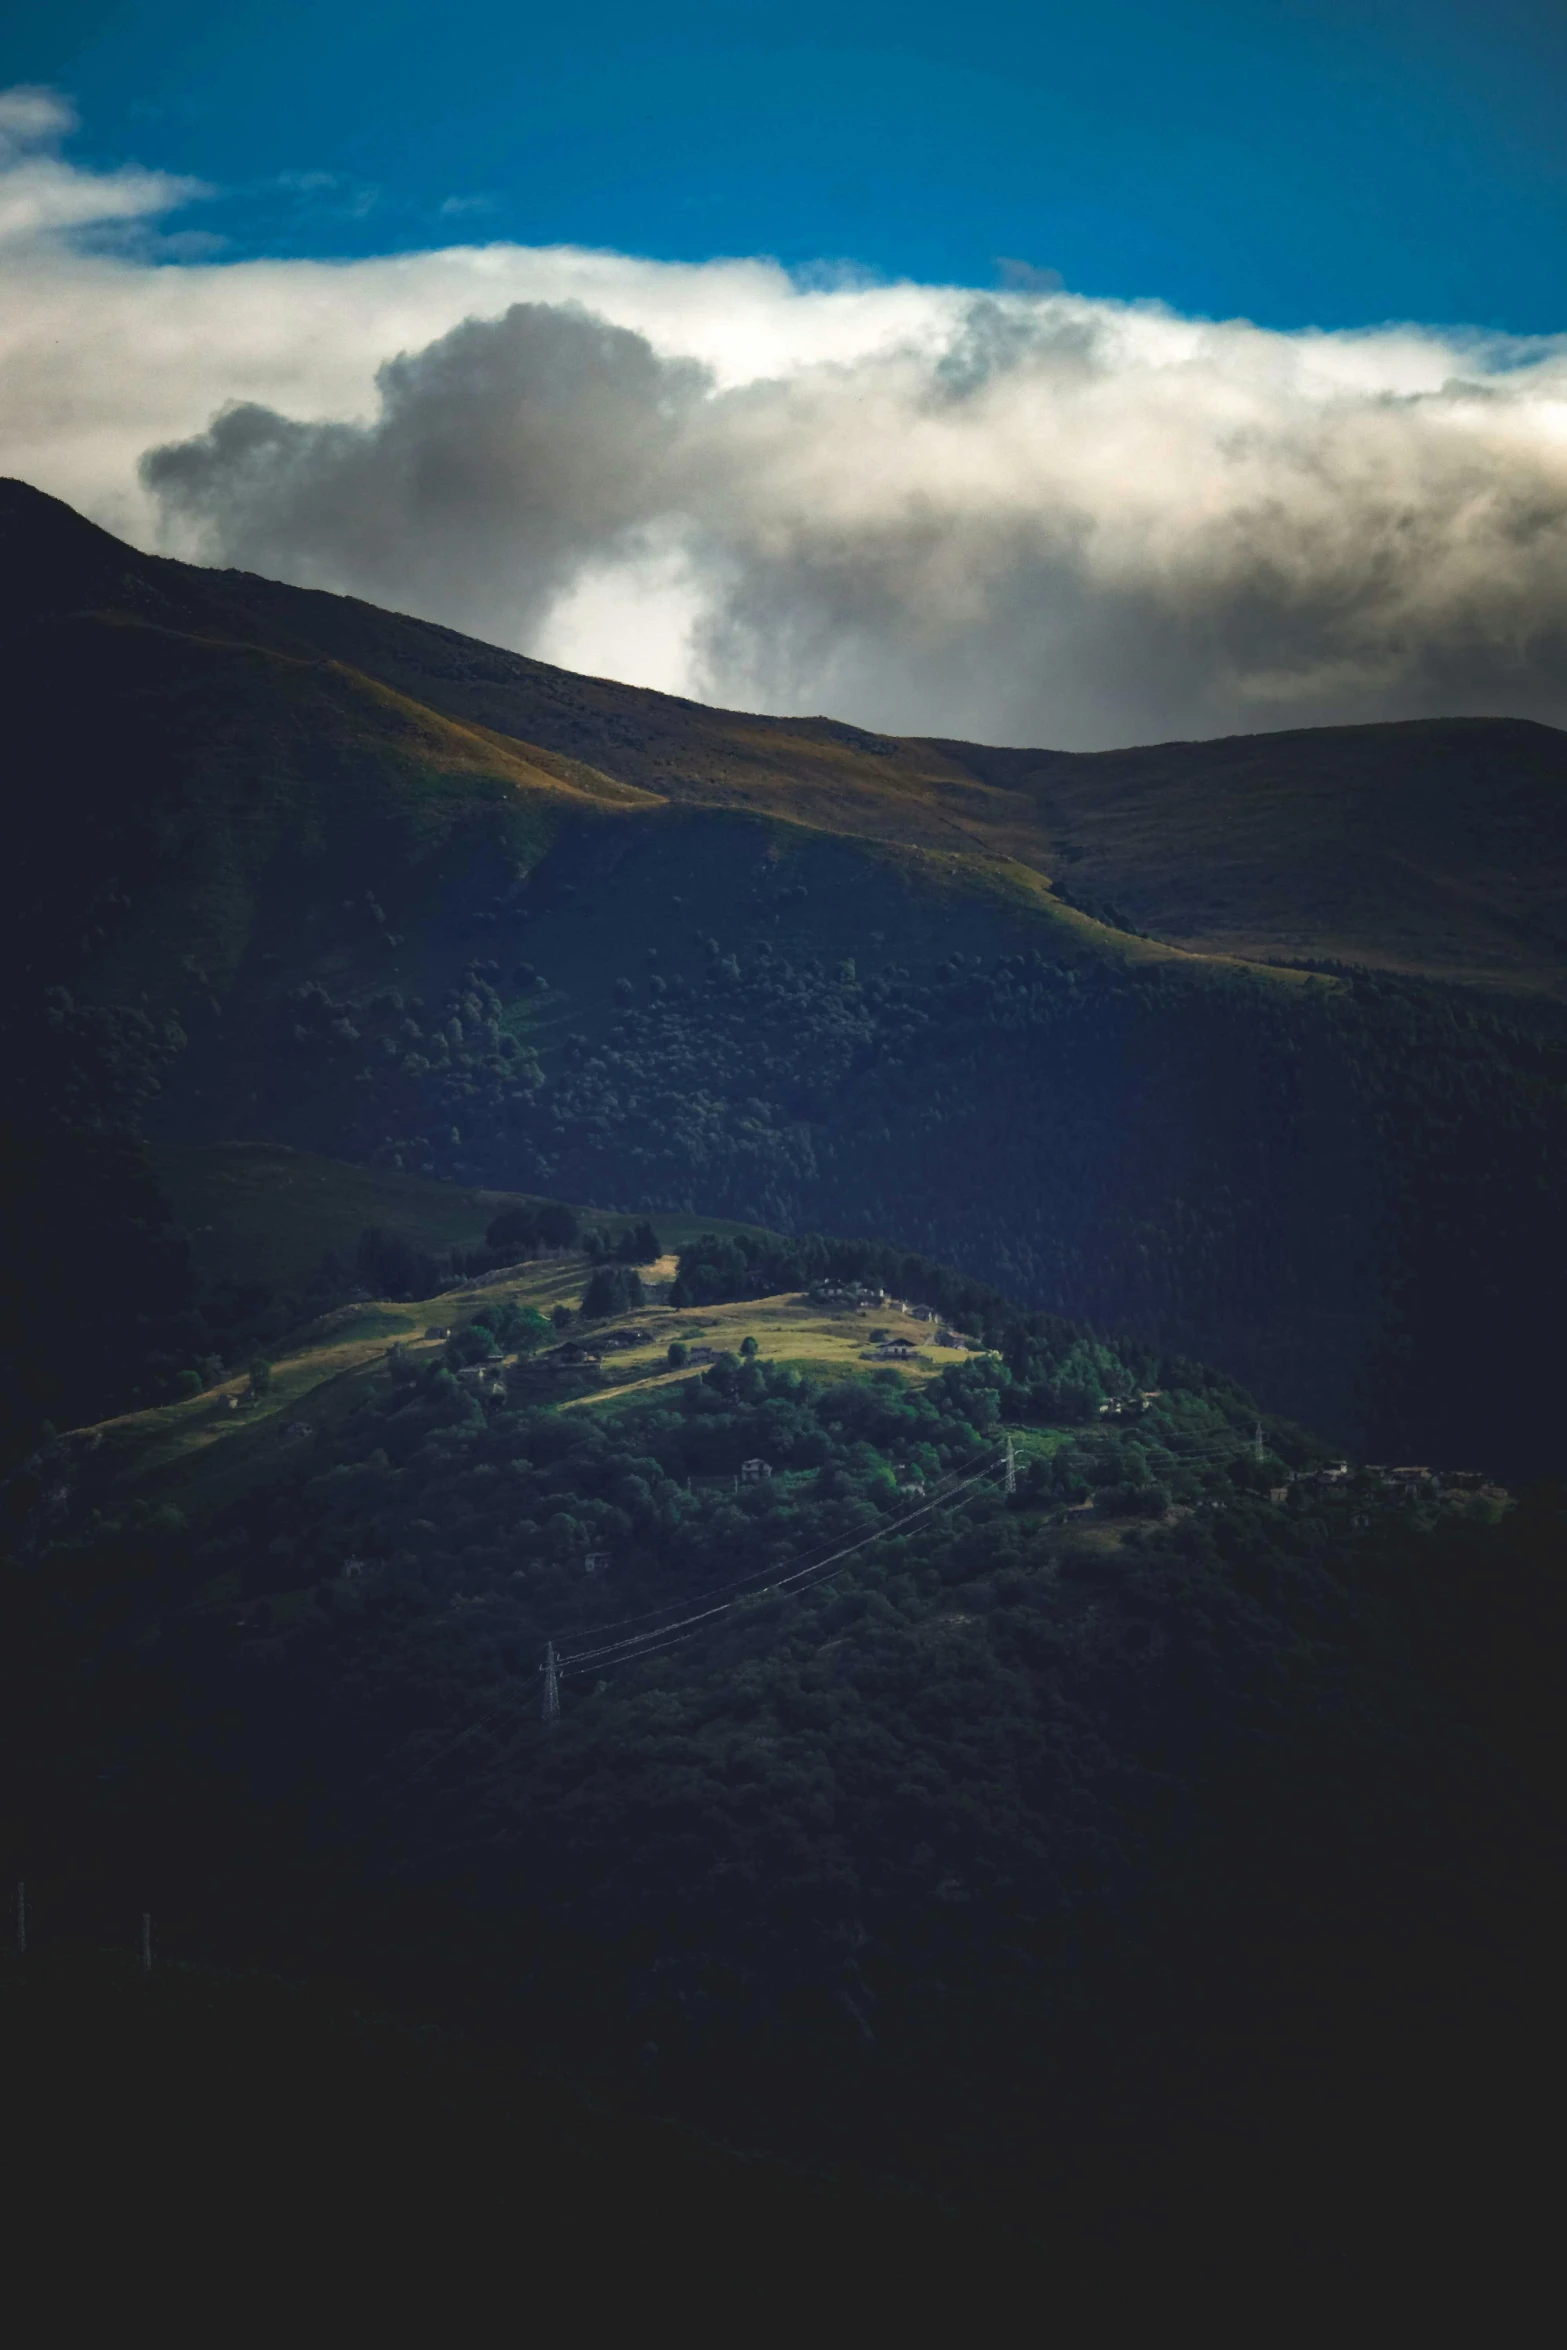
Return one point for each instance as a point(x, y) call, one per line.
point(1151, 1840)
point(1435, 847)
point(286, 868)
point(1167, 1817)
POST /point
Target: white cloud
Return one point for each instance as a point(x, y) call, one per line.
point(103, 354)
point(1025, 516)
point(33, 117)
point(42, 195)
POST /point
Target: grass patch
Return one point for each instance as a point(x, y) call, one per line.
point(210, 1449)
point(787, 1329)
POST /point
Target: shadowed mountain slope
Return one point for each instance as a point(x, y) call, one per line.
point(991, 1757)
point(290, 870)
point(204, 768)
point(1436, 847)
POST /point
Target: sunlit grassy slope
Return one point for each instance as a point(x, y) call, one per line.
point(206, 1451)
point(216, 807)
point(274, 847)
point(1438, 847)
point(222, 789)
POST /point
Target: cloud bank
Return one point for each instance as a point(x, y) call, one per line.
point(1022, 516)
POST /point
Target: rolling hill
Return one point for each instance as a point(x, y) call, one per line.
point(1438, 847)
point(1034, 1771)
point(948, 1777)
point(291, 871)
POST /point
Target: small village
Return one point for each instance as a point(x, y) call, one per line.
point(854, 1297)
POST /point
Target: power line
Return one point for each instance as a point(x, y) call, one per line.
point(654, 1645)
point(618, 1623)
point(796, 1574)
point(675, 1635)
point(815, 1568)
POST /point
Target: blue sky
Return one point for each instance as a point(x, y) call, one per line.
point(1334, 164)
point(1118, 372)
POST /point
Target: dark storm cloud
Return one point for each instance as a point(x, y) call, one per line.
point(1055, 520)
point(505, 455)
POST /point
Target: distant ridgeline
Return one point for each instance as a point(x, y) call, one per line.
point(302, 872)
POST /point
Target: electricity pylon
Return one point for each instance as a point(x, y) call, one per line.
point(551, 1707)
point(1009, 1482)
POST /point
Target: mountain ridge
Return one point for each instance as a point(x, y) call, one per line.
point(290, 871)
point(1432, 847)
point(967, 1770)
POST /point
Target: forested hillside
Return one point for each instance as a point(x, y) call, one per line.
point(1344, 1192)
point(890, 1815)
point(290, 872)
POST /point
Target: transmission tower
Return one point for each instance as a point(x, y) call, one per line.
point(1256, 1445)
point(551, 1707)
point(1009, 1482)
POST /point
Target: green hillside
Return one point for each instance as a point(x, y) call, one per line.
point(1438, 847)
point(259, 1211)
point(208, 788)
point(298, 873)
point(146, 1279)
point(256, 1211)
point(963, 1769)
point(1040, 1769)
point(199, 1453)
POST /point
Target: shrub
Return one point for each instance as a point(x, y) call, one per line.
point(614, 1289)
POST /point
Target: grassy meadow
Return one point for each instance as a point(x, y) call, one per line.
point(204, 1451)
